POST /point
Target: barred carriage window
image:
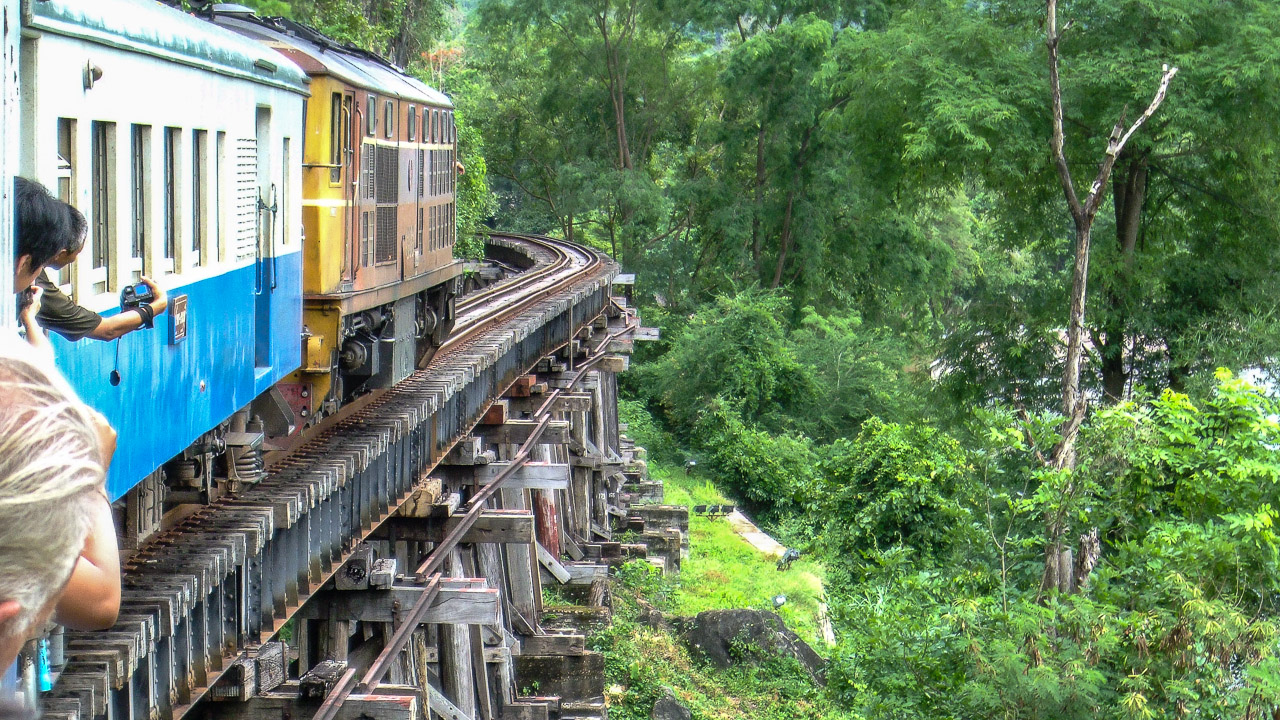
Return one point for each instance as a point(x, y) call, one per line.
point(140, 155)
point(66, 177)
point(371, 122)
point(199, 194)
point(219, 159)
point(102, 177)
point(413, 123)
point(418, 243)
point(422, 169)
point(390, 122)
point(170, 192)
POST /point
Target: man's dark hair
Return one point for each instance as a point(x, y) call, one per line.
point(44, 227)
point(79, 229)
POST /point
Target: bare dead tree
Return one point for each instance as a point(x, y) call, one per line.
point(1074, 405)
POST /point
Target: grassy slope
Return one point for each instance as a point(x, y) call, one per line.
point(722, 571)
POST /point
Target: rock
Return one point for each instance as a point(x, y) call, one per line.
point(727, 637)
point(668, 707)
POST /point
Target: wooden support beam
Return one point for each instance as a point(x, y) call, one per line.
point(530, 476)
point(585, 573)
point(565, 402)
point(454, 605)
point(553, 565)
point(285, 704)
point(493, 526)
point(496, 414)
point(516, 432)
point(526, 711)
point(613, 363)
point(553, 645)
point(440, 705)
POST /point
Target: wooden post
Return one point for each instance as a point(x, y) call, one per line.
point(455, 655)
point(546, 515)
point(520, 570)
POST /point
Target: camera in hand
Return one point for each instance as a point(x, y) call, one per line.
point(134, 295)
point(137, 298)
point(25, 298)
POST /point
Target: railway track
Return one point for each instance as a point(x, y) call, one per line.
point(226, 579)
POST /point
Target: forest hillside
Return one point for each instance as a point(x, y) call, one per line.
point(958, 298)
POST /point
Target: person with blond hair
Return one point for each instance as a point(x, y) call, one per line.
point(58, 552)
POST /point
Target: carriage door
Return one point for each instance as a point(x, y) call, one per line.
point(264, 271)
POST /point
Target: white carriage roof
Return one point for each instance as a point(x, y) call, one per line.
point(349, 64)
point(151, 28)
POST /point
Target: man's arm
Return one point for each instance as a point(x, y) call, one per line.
point(91, 600)
point(125, 322)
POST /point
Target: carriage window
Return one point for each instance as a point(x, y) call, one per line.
point(413, 123)
point(372, 121)
point(336, 140)
point(171, 141)
point(435, 126)
point(66, 179)
point(286, 153)
point(139, 187)
point(199, 195)
point(391, 114)
point(219, 161)
point(101, 179)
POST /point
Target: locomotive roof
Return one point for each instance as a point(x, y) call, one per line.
point(318, 54)
point(148, 27)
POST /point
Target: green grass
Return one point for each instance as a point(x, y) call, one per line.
point(724, 571)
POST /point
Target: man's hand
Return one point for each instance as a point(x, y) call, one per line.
point(161, 303)
point(29, 313)
point(35, 334)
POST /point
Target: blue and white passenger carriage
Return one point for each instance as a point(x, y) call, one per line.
point(181, 144)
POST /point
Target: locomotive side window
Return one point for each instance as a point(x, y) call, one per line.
point(337, 140)
point(413, 123)
point(365, 255)
point(199, 196)
point(102, 175)
point(391, 118)
point(140, 164)
point(372, 121)
point(66, 181)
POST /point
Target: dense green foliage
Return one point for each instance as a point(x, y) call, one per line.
point(846, 219)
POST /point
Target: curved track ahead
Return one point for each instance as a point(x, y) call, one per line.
point(226, 578)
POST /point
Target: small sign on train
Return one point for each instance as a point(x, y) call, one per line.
point(177, 319)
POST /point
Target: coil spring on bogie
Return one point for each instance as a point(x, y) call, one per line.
point(248, 466)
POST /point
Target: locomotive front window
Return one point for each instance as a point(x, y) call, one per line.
point(336, 140)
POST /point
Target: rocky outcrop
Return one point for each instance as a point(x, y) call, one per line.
point(730, 637)
point(668, 707)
